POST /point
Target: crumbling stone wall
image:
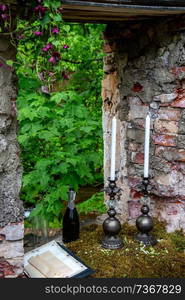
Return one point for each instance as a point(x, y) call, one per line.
point(11, 209)
point(145, 71)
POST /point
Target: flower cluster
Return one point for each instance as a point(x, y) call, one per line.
point(44, 31)
point(4, 12)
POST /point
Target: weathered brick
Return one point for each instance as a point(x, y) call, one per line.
point(6, 268)
point(164, 140)
point(138, 111)
point(12, 249)
point(181, 141)
point(166, 98)
point(178, 71)
point(165, 126)
point(180, 99)
point(169, 114)
point(137, 158)
point(181, 155)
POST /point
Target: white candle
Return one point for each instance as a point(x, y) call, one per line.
point(113, 150)
point(147, 143)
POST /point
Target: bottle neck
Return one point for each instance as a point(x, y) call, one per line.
point(71, 202)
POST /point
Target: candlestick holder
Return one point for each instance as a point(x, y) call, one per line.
point(144, 222)
point(112, 225)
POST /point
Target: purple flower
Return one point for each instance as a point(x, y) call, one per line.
point(52, 60)
point(47, 47)
point(3, 7)
point(65, 75)
point(40, 10)
point(55, 30)
point(65, 47)
point(55, 57)
point(56, 54)
point(37, 33)
point(4, 16)
point(1, 64)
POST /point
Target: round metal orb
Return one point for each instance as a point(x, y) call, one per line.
point(144, 224)
point(111, 227)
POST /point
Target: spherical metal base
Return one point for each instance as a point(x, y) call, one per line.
point(146, 238)
point(112, 242)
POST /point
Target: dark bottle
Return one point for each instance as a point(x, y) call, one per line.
point(71, 224)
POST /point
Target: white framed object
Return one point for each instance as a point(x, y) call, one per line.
point(53, 260)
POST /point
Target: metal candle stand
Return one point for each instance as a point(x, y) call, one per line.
point(144, 222)
point(112, 225)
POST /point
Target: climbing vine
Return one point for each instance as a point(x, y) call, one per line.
point(59, 67)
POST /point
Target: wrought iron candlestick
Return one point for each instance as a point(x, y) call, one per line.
point(112, 225)
point(144, 222)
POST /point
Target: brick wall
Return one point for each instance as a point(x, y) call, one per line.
point(145, 71)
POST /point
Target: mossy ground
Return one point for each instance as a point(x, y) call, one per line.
point(164, 260)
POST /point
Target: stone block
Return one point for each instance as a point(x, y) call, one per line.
point(164, 140)
point(182, 126)
point(138, 112)
point(168, 153)
point(13, 231)
point(181, 141)
point(10, 250)
point(162, 76)
point(165, 98)
point(169, 114)
point(161, 126)
point(136, 135)
point(132, 146)
point(160, 165)
point(5, 123)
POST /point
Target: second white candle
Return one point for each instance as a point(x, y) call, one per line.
point(113, 149)
point(147, 145)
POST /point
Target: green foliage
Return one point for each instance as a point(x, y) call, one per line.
point(93, 204)
point(59, 107)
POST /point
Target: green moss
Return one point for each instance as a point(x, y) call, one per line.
point(134, 260)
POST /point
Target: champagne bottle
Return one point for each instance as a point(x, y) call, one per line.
point(71, 224)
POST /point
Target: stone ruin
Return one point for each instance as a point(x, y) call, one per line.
point(11, 208)
point(144, 70)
